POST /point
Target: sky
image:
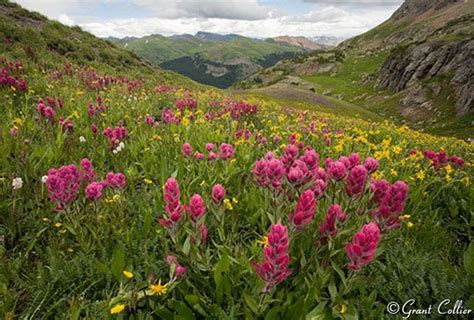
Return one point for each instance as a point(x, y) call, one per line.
point(252, 18)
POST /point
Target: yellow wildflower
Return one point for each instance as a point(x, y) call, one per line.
point(147, 181)
point(185, 122)
point(75, 114)
point(393, 172)
point(117, 309)
point(58, 225)
point(116, 197)
point(342, 309)
point(18, 122)
point(127, 274)
point(410, 225)
point(420, 175)
point(159, 288)
point(448, 169)
point(263, 241)
point(396, 149)
point(228, 204)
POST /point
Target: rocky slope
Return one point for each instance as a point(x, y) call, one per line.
point(449, 61)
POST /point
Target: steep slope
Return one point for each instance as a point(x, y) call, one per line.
point(213, 59)
point(29, 36)
point(417, 67)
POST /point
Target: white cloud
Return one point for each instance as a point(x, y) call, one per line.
point(246, 17)
point(330, 22)
point(363, 2)
point(54, 8)
point(64, 19)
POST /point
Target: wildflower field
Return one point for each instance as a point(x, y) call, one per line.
point(125, 195)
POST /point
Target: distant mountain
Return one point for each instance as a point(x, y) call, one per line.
point(299, 41)
point(216, 37)
point(327, 40)
point(213, 59)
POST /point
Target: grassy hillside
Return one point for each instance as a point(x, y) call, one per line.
point(127, 192)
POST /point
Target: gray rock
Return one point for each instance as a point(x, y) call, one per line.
point(404, 71)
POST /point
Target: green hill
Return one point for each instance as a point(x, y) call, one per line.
point(209, 58)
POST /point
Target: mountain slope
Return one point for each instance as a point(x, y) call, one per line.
point(29, 36)
point(416, 67)
point(213, 59)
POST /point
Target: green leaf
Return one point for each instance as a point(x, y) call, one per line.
point(192, 299)
point(164, 313)
point(147, 223)
point(251, 303)
point(332, 291)
point(183, 311)
point(118, 262)
point(187, 246)
point(101, 267)
point(469, 259)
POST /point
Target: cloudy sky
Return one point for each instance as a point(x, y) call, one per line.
point(254, 18)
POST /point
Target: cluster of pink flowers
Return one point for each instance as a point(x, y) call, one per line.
point(196, 209)
point(163, 89)
point(115, 135)
point(186, 103)
point(299, 170)
point(304, 211)
point(47, 110)
point(441, 159)
point(218, 193)
point(113, 180)
point(226, 151)
point(328, 228)
point(241, 109)
point(390, 200)
point(99, 108)
point(173, 208)
point(176, 268)
point(151, 121)
point(67, 124)
point(356, 180)
point(64, 183)
point(7, 80)
point(169, 117)
point(94, 81)
point(363, 247)
point(274, 267)
point(340, 168)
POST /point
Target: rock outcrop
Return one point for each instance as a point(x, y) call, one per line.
point(403, 70)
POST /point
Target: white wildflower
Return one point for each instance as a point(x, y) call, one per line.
point(17, 183)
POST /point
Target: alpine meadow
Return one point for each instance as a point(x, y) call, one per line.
point(287, 178)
